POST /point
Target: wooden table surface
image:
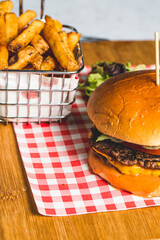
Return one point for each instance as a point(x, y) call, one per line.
point(19, 218)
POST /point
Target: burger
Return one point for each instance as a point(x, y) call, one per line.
point(125, 137)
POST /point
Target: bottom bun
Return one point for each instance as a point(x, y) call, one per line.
point(140, 185)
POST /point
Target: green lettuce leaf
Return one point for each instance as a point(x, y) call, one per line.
point(98, 74)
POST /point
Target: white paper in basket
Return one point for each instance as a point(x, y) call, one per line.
point(44, 97)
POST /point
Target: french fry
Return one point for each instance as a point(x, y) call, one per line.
point(73, 39)
point(3, 38)
point(64, 38)
point(28, 67)
point(11, 26)
point(58, 25)
point(58, 48)
point(24, 49)
point(25, 18)
point(6, 7)
point(37, 61)
point(49, 64)
point(22, 40)
point(40, 44)
point(25, 56)
point(3, 44)
point(3, 57)
point(12, 60)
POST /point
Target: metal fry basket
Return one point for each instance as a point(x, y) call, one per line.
point(36, 96)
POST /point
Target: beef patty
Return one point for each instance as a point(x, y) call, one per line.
point(123, 154)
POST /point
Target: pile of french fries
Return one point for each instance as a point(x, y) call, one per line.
point(31, 44)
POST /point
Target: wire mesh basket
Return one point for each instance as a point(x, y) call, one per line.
point(36, 96)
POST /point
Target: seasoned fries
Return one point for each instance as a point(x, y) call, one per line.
point(11, 26)
point(3, 57)
point(64, 38)
point(40, 44)
point(26, 43)
point(12, 60)
point(6, 7)
point(26, 36)
point(25, 56)
point(25, 18)
point(3, 38)
point(58, 25)
point(58, 48)
point(49, 64)
point(37, 61)
point(3, 44)
point(73, 39)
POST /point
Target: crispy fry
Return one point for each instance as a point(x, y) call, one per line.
point(28, 67)
point(64, 38)
point(73, 39)
point(37, 61)
point(6, 7)
point(26, 36)
point(52, 37)
point(55, 45)
point(25, 56)
point(25, 18)
point(3, 44)
point(3, 57)
point(58, 25)
point(49, 64)
point(11, 26)
point(40, 44)
point(3, 38)
point(13, 60)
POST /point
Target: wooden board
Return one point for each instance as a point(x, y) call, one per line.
point(19, 218)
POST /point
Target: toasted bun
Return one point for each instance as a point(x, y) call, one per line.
point(140, 185)
point(128, 107)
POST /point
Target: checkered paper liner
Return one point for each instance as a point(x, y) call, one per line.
point(55, 160)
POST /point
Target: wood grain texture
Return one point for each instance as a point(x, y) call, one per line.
point(19, 218)
point(120, 51)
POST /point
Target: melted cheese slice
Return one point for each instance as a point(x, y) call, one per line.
point(130, 170)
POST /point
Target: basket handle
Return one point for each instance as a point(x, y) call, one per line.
point(21, 7)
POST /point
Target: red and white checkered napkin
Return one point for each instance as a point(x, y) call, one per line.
point(55, 160)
